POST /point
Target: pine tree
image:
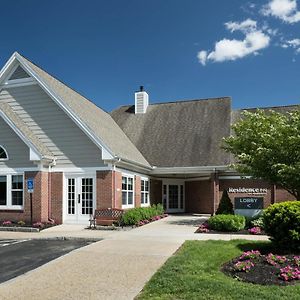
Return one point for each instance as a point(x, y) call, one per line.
point(225, 205)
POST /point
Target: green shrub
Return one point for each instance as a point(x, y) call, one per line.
point(282, 223)
point(225, 206)
point(258, 222)
point(226, 222)
point(133, 216)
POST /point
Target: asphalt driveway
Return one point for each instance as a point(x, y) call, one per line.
point(20, 256)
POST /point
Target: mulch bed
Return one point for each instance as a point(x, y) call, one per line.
point(262, 273)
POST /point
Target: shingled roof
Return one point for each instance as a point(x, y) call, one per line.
point(179, 134)
point(25, 131)
point(99, 122)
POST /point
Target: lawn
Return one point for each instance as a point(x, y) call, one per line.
point(194, 273)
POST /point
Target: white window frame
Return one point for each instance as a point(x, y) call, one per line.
point(4, 159)
point(9, 191)
point(144, 192)
point(125, 206)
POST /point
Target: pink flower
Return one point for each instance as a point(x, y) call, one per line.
point(254, 230)
point(6, 223)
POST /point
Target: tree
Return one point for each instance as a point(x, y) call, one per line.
point(225, 206)
point(266, 145)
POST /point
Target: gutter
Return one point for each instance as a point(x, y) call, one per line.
point(189, 170)
point(130, 163)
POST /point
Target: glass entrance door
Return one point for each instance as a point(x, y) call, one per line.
point(173, 196)
point(80, 199)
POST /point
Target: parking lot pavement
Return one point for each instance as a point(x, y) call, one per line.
point(20, 256)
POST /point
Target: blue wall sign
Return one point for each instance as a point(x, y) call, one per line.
point(30, 185)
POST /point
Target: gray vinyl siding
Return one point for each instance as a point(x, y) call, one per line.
point(17, 150)
point(53, 127)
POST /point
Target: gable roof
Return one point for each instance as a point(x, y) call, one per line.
point(22, 129)
point(97, 122)
point(179, 134)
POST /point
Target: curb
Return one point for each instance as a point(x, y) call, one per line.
point(19, 229)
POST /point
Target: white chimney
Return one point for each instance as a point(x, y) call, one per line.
point(141, 101)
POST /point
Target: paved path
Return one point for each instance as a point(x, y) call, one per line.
point(116, 268)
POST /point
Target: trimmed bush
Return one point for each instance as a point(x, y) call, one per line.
point(282, 223)
point(226, 223)
point(135, 215)
point(225, 206)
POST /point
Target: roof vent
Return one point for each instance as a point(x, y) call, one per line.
point(141, 101)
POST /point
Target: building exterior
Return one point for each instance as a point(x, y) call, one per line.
point(81, 158)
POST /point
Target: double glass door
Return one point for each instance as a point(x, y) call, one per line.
point(80, 199)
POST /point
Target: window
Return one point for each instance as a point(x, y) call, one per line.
point(17, 190)
point(144, 192)
point(127, 191)
point(3, 154)
point(11, 192)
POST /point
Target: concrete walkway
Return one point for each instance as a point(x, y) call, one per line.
point(116, 268)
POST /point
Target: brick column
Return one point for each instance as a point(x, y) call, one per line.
point(137, 191)
point(56, 186)
point(155, 191)
point(39, 197)
point(104, 187)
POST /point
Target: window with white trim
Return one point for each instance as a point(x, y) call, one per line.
point(11, 191)
point(144, 192)
point(127, 191)
point(3, 154)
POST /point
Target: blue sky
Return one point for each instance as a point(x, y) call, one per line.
point(177, 49)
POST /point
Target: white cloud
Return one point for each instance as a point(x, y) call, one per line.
point(286, 10)
point(294, 43)
point(229, 50)
point(202, 56)
point(245, 26)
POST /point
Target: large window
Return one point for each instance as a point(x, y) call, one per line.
point(11, 192)
point(127, 191)
point(144, 192)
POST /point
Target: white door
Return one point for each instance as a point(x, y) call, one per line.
point(80, 199)
point(173, 196)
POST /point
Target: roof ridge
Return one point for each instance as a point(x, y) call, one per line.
point(267, 107)
point(181, 101)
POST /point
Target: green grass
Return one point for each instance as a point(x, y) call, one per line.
point(194, 273)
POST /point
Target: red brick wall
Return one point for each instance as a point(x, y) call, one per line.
point(104, 187)
point(199, 196)
point(247, 183)
point(56, 184)
point(155, 191)
point(269, 198)
point(39, 201)
point(137, 191)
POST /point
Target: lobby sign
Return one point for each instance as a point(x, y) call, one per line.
point(248, 202)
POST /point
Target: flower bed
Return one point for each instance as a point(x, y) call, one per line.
point(254, 267)
point(232, 224)
point(21, 224)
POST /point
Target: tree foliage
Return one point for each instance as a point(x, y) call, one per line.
point(266, 145)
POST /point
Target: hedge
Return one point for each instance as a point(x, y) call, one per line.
point(133, 216)
point(227, 223)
